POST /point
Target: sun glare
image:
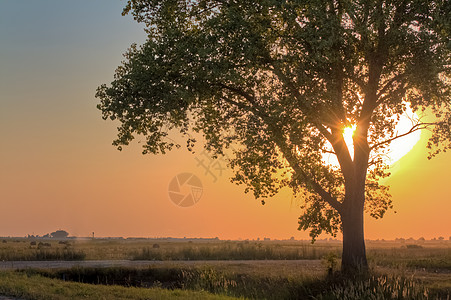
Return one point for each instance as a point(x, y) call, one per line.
point(402, 146)
point(398, 148)
point(348, 133)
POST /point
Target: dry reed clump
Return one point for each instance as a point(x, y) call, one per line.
point(377, 288)
point(207, 279)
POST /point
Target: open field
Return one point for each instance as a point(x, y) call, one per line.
point(162, 249)
point(13, 249)
point(248, 269)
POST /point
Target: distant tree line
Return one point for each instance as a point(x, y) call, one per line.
point(59, 234)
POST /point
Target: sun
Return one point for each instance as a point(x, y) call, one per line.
point(399, 147)
point(348, 133)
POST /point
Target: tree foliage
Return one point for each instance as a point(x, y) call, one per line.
point(59, 234)
point(282, 79)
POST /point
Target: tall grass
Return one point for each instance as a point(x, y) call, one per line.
point(431, 259)
point(235, 251)
point(43, 254)
point(194, 279)
point(253, 286)
point(33, 286)
point(207, 279)
point(382, 287)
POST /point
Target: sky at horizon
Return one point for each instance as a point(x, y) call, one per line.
point(58, 169)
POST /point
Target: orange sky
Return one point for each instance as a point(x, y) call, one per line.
point(59, 170)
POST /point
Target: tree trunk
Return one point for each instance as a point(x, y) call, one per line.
point(354, 254)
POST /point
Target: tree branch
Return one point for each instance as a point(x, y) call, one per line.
point(237, 104)
point(327, 197)
point(389, 83)
point(361, 83)
point(254, 108)
point(334, 137)
point(328, 151)
point(416, 127)
point(240, 92)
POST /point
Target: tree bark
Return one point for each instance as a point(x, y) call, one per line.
point(354, 253)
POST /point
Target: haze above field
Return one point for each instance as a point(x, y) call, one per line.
point(59, 170)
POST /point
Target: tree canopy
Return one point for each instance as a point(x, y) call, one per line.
point(59, 234)
point(282, 79)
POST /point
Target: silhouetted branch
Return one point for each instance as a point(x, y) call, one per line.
point(389, 83)
point(416, 127)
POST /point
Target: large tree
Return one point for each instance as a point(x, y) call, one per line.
point(281, 80)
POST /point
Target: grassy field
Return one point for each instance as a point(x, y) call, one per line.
point(428, 255)
point(27, 286)
point(206, 283)
point(141, 249)
point(399, 270)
